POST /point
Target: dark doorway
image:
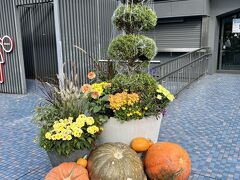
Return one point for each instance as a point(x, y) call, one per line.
point(39, 41)
point(229, 58)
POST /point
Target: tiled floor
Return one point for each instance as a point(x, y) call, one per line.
point(204, 119)
point(20, 157)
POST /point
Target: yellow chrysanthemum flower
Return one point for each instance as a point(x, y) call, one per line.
point(121, 99)
point(48, 135)
point(90, 121)
point(69, 137)
point(170, 97)
point(92, 129)
point(80, 122)
point(159, 97)
point(81, 116)
point(66, 129)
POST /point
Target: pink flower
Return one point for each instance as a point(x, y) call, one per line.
point(95, 95)
point(86, 88)
point(91, 75)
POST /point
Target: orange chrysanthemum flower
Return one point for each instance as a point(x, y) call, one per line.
point(86, 88)
point(91, 75)
point(95, 95)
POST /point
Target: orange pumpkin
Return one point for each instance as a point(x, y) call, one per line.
point(167, 160)
point(68, 171)
point(150, 142)
point(140, 144)
point(83, 162)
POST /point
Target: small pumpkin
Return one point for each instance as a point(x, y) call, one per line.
point(115, 161)
point(82, 161)
point(140, 144)
point(166, 160)
point(68, 171)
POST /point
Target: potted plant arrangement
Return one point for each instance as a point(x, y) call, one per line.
point(105, 117)
point(67, 132)
point(74, 119)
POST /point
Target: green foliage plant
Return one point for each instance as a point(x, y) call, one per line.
point(134, 18)
point(133, 48)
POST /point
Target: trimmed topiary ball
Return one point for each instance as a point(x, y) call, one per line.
point(132, 47)
point(134, 18)
point(142, 83)
point(134, 1)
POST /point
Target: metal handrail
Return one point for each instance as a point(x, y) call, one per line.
point(180, 72)
point(176, 58)
point(183, 67)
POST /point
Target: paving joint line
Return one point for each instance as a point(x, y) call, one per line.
point(204, 175)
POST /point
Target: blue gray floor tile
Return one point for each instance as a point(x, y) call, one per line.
point(205, 120)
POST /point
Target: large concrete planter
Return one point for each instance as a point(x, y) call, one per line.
point(116, 131)
point(57, 159)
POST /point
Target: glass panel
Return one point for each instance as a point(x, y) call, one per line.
point(231, 45)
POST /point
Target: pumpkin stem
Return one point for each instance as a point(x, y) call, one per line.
point(85, 157)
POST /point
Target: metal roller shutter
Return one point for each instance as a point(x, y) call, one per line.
point(82, 24)
point(39, 43)
point(25, 2)
point(177, 36)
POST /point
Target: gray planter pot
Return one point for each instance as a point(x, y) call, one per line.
point(116, 131)
point(57, 159)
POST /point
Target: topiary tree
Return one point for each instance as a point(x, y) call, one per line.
point(132, 50)
point(131, 47)
point(134, 18)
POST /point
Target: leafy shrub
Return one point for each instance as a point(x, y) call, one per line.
point(132, 47)
point(142, 83)
point(134, 18)
point(153, 98)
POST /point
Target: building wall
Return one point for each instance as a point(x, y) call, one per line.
point(180, 8)
point(209, 10)
point(13, 69)
point(86, 24)
point(218, 9)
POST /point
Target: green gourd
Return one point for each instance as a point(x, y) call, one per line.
point(115, 161)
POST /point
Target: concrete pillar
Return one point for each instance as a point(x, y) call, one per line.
point(213, 41)
point(59, 43)
point(204, 31)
